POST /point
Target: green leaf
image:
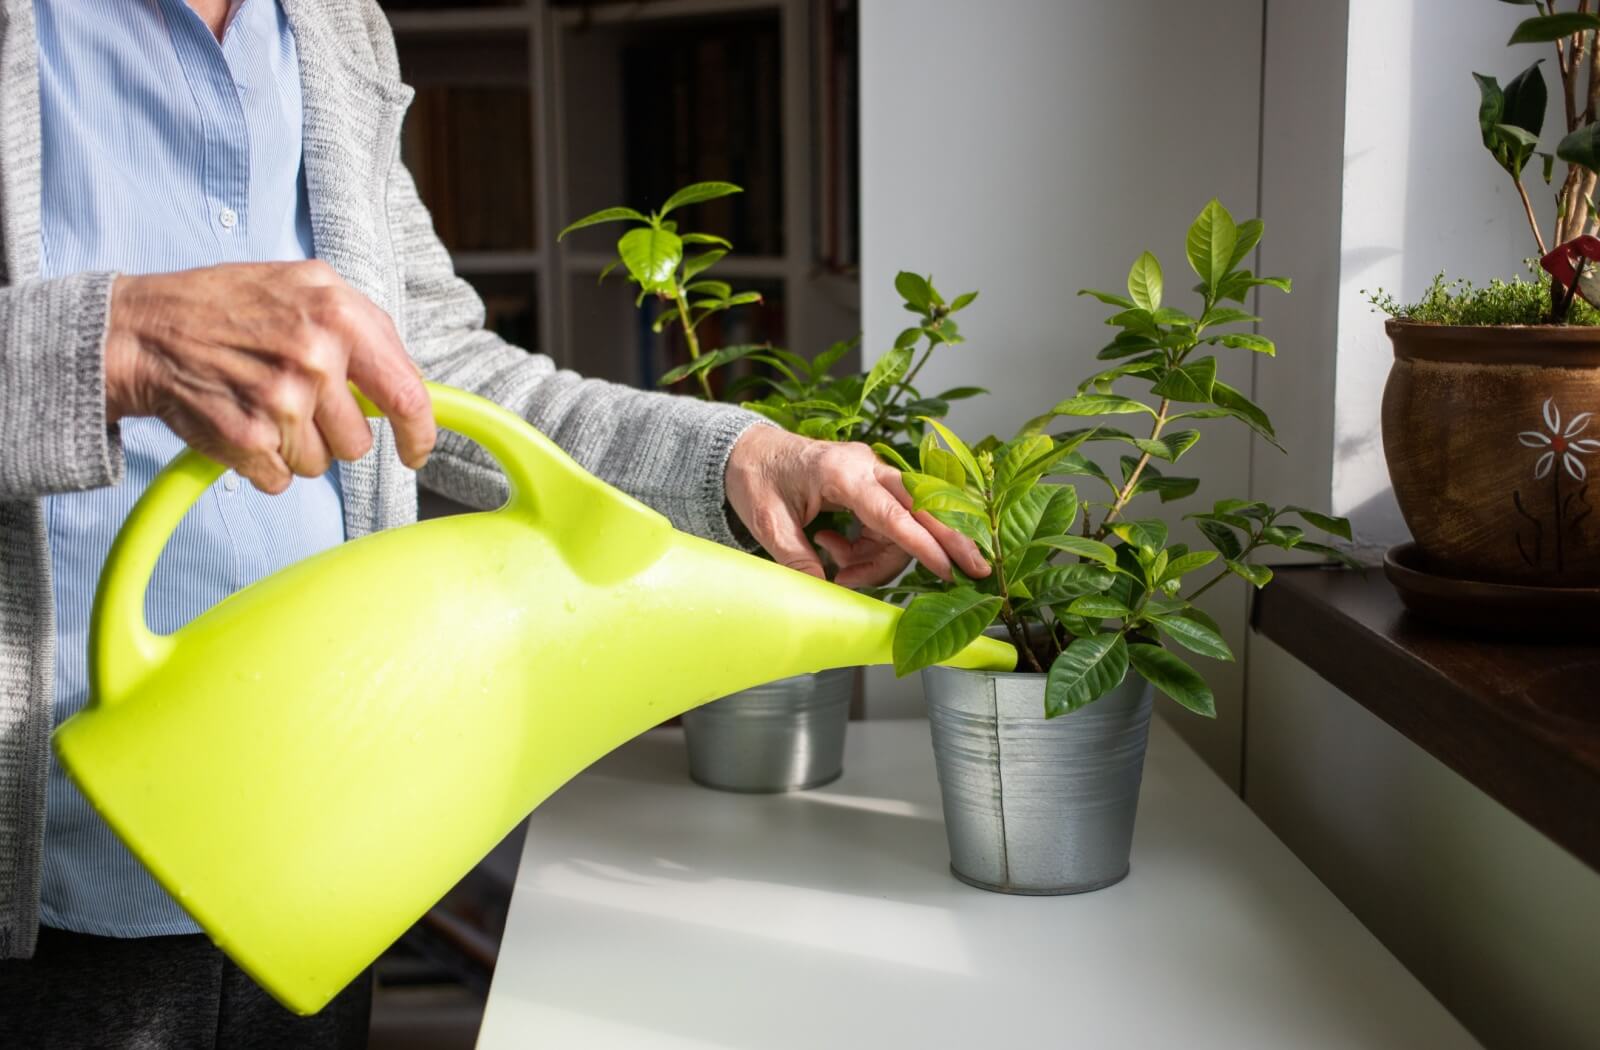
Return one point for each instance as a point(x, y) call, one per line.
point(652, 257)
point(1582, 147)
point(1109, 298)
point(603, 215)
point(700, 263)
point(915, 290)
point(1168, 489)
point(714, 289)
point(942, 464)
point(1219, 315)
point(1193, 635)
point(1244, 508)
point(886, 371)
point(1247, 341)
point(1083, 547)
point(1491, 109)
point(1525, 100)
point(1138, 320)
point(1258, 575)
point(1088, 669)
point(1343, 557)
point(888, 454)
point(1243, 409)
point(1101, 405)
point(1193, 381)
point(1044, 510)
point(1248, 234)
point(1186, 563)
point(697, 192)
point(935, 627)
point(958, 393)
point(1210, 244)
point(823, 362)
point(1221, 536)
point(1126, 344)
point(1545, 28)
point(716, 359)
point(1098, 607)
point(707, 238)
point(1101, 381)
point(1016, 455)
point(929, 492)
point(1173, 677)
point(959, 447)
point(1168, 447)
point(1150, 532)
point(972, 526)
point(824, 429)
point(1236, 285)
point(1144, 282)
point(1054, 584)
point(1286, 537)
point(1339, 527)
point(962, 301)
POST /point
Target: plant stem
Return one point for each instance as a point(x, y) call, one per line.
point(694, 341)
point(1126, 492)
point(1019, 636)
point(1527, 206)
point(1219, 577)
point(897, 390)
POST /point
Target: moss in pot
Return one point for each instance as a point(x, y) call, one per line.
point(1040, 769)
point(788, 734)
point(1488, 408)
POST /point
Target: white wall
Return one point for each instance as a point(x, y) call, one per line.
point(1029, 148)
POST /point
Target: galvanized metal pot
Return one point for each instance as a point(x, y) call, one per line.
point(1035, 805)
point(786, 735)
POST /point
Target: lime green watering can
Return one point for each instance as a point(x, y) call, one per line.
point(311, 764)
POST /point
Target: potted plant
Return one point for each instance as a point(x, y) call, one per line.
point(1040, 769)
point(788, 734)
point(1488, 410)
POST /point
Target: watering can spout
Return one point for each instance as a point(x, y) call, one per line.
point(312, 763)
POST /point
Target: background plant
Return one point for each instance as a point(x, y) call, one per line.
point(1511, 119)
point(881, 406)
point(1085, 590)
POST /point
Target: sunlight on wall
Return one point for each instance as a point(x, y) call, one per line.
point(1421, 195)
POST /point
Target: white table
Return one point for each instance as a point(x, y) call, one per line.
point(652, 914)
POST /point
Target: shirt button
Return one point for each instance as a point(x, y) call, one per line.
point(230, 481)
point(228, 218)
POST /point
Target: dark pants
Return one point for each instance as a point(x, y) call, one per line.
point(159, 993)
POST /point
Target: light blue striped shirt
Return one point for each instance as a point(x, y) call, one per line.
point(163, 151)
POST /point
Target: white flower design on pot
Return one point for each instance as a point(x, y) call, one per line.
point(1561, 443)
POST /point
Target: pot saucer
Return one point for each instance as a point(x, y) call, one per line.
point(1486, 607)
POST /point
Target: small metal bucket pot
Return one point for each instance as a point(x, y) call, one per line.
point(786, 735)
point(1035, 805)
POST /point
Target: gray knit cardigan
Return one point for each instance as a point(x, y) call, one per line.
point(369, 225)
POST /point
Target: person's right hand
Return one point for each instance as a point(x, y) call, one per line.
point(249, 362)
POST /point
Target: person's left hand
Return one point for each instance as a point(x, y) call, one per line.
point(777, 482)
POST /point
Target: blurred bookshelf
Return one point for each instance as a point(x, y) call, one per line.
point(530, 113)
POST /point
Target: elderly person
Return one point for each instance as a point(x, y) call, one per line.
point(206, 234)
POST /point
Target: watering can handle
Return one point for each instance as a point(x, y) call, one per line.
point(122, 648)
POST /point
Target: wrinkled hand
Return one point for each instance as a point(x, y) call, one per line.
point(778, 482)
point(250, 364)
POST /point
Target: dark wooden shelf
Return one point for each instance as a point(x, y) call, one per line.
point(1521, 720)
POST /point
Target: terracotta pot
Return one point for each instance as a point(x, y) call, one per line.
point(1492, 435)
